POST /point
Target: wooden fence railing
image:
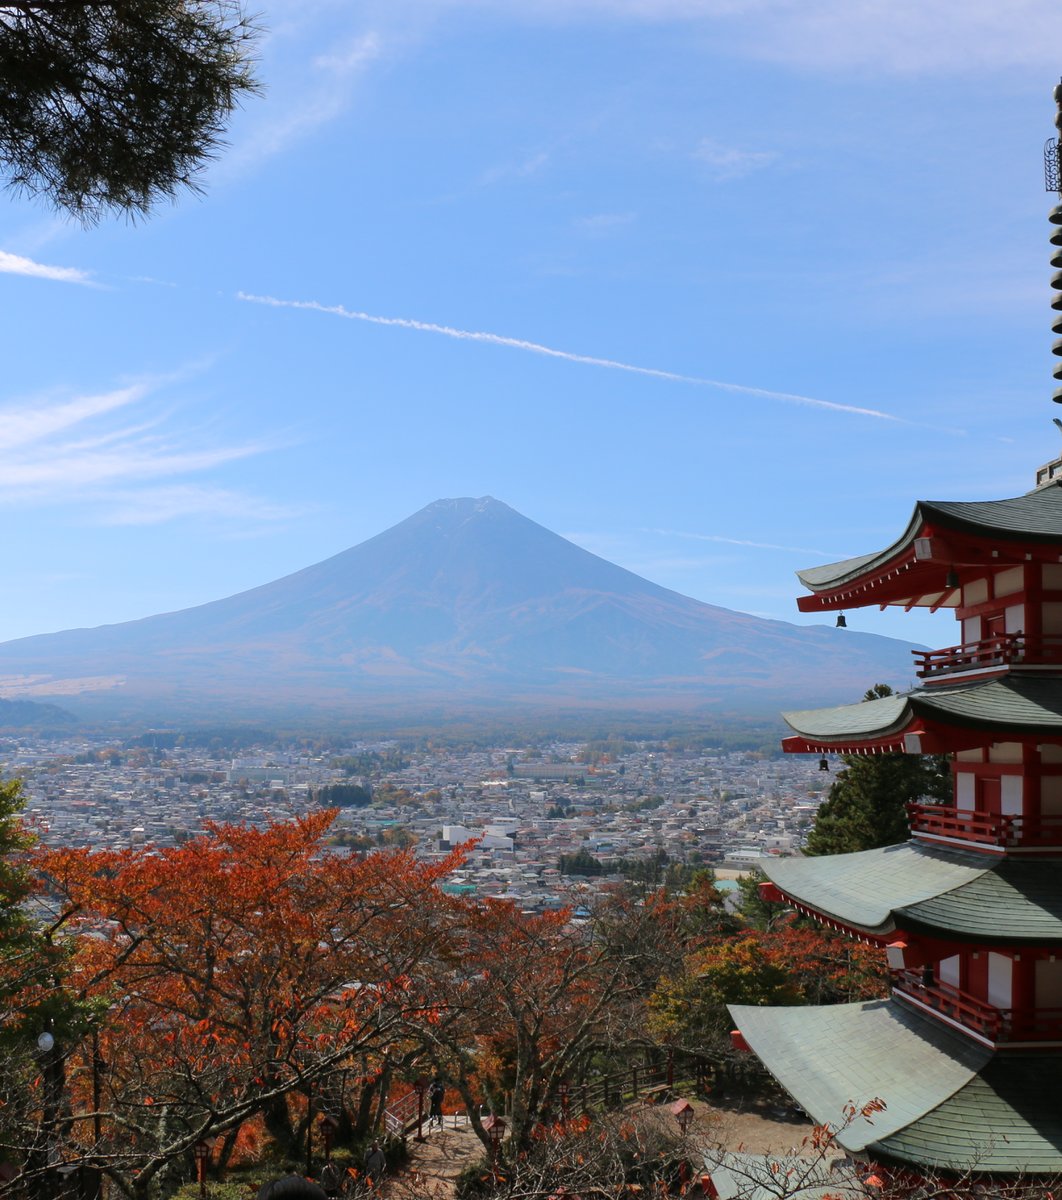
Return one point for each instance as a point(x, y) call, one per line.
point(647, 1081)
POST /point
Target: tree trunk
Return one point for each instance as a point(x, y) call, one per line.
point(278, 1123)
point(228, 1145)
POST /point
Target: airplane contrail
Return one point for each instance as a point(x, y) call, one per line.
point(497, 339)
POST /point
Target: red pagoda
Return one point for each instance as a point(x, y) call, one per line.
point(967, 1050)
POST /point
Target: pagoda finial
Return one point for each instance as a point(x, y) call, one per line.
point(1053, 183)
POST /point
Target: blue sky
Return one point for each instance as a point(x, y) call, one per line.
point(788, 257)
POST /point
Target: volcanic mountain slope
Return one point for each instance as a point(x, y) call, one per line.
point(466, 598)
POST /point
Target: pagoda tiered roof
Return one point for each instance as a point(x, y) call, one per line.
point(950, 1103)
point(921, 889)
point(941, 535)
point(1015, 707)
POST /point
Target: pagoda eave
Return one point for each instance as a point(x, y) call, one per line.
point(901, 581)
point(940, 539)
point(915, 738)
point(878, 936)
point(908, 921)
point(832, 1057)
point(947, 1102)
point(861, 891)
point(937, 718)
point(802, 745)
point(928, 891)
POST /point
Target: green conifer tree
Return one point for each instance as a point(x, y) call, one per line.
point(30, 966)
point(867, 805)
point(111, 106)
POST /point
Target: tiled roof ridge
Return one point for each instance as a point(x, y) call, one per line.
point(1036, 515)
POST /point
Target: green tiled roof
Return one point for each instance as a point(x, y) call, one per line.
point(949, 1103)
point(923, 889)
point(1036, 516)
point(834, 573)
point(1031, 703)
point(1012, 901)
point(832, 1056)
point(864, 889)
point(1034, 703)
point(1005, 1120)
point(871, 718)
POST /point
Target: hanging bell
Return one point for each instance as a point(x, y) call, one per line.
point(951, 580)
point(823, 764)
point(841, 622)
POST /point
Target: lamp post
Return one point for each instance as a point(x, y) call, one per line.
point(98, 1065)
point(420, 1086)
point(202, 1153)
point(51, 1068)
point(682, 1111)
point(309, 1130)
point(329, 1125)
point(495, 1127)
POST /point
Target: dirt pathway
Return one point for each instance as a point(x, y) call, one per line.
point(435, 1163)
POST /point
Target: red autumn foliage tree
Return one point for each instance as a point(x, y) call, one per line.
point(523, 1005)
point(824, 967)
point(234, 971)
point(235, 982)
point(789, 965)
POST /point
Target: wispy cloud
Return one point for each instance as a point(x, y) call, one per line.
point(15, 264)
point(730, 541)
point(153, 506)
point(29, 422)
point(76, 468)
point(151, 281)
point(352, 58)
point(316, 95)
point(521, 169)
point(876, 37)
point(496, 339)
point(602, 224)
point(59, 448)
point(907, 36)
point(728, 162)
point(36, 234)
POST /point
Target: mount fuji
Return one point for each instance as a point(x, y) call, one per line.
point(467, 603)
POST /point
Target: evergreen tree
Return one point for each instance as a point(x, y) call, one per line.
point(112, 106)
point(756, 912)
point(867, 804)
point(30, 966)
